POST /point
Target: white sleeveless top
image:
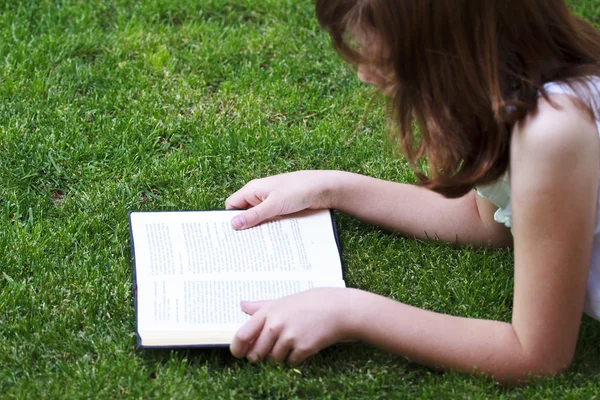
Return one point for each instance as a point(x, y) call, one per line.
point(499, 194)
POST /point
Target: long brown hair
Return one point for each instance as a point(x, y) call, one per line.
point(465, 71)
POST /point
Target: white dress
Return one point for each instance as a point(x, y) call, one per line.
point(499, 194)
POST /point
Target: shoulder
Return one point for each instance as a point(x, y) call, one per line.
point(554, 171)
point(554, 154)
point(560, 130)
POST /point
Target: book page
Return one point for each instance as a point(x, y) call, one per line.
point(172, 244)
point(193, 308)
point(193, 269)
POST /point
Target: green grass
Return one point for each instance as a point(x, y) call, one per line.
point(112, 105)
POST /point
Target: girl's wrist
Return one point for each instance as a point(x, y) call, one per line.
point(351, 321)
point(331, 190)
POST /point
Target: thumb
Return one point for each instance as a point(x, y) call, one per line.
point(255, 215)
point(250, 307)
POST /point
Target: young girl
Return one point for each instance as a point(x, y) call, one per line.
point(506, 95)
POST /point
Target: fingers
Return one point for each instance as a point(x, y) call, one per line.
point(237, 201)
point(263, 344)
point(256, 340)
point(244, 197)
point(299, 355)
point(267, 342)
point(246, 334)
point(266, 337)
point(254, 216)
point(250, 307)
point(281, 350)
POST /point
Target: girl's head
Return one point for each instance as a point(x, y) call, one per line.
point(464, 70)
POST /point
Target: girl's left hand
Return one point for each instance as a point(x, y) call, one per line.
point(292, 328)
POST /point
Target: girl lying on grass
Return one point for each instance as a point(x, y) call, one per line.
point(506, 95)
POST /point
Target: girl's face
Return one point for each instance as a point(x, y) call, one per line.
point(370, 71)
point(369, 74)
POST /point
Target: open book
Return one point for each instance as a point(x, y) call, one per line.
point(192, 269)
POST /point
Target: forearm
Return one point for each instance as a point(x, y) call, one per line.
point(442, 341)
point(410, 210)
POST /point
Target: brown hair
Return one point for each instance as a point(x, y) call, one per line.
point(465, 71)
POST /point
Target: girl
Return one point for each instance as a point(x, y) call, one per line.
point(506, 95)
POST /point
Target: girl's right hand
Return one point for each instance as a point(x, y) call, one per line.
point(280, 195)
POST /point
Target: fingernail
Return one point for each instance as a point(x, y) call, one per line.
point(238, 222)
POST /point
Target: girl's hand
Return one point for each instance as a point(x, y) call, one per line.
point(292, 328)
point(280, 195)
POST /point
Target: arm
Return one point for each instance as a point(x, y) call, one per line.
point(406, 209)
point(554, 182)
point(419, 212)
point(554, 172)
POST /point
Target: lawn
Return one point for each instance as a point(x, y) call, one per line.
point(108, 106)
